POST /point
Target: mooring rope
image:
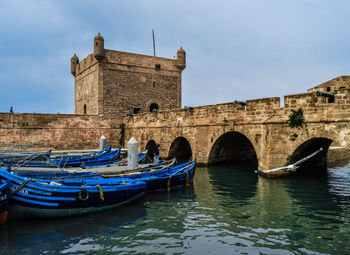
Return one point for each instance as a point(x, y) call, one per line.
point(101, 192)
point(21, 186)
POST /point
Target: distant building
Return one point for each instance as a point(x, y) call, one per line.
point(113, 84)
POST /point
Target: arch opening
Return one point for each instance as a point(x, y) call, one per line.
point(232, 147)
point(154, 107)
point(181, 149)
point(151, 147)
point(315, 164)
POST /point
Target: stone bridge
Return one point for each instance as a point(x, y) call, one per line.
point(258, 130)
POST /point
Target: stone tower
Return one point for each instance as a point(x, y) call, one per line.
point(99, 47)
point(113, 83)
point(73, 64)
point(181, 58)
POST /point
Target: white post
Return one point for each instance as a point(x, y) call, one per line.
point(102, 142)
point(133, 149)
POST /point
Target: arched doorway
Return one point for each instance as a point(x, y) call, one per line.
point(151, 148)
point(181, 149)
point(317, 163)
point(154, 107)
point(232, 147)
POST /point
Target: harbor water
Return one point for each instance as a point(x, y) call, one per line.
point(227, 210)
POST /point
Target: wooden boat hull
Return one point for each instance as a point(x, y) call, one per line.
point(167, 176)
point(18, 210)
point(105, 157)
point(4, 200)
point(34, 198)
point(156, 183)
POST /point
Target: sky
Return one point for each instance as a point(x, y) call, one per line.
point(236, 49)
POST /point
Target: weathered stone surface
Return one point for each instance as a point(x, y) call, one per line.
point(57, 131)
point(117, 83)
point(263, 122)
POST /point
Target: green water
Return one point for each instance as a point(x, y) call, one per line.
point(228, 210)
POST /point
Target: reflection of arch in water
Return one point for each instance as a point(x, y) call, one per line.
point(319, 162)
point(237, 182)
point(151, 147)
point(181, 149)
point(313, 193)
point(232, 146)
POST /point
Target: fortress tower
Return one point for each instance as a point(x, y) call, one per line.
point(114, 83)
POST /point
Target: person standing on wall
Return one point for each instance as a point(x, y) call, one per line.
point(156, 155)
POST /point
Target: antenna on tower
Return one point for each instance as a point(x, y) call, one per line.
point(154, 44)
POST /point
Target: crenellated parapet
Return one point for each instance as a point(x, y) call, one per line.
point(263, 122)
point(113, 83)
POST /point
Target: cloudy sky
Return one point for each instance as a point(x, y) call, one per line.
point(236, 49)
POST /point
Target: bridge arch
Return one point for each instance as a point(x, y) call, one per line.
point(181, 149)
point(232, 146)
point(151, 148)
point(319, 162)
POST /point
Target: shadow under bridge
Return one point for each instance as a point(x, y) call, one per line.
point(180, 148)
point(318, 162)
point(232, 147)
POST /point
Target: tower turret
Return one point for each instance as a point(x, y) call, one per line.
point(99, 47)
point(73, 64)
point(181, 58)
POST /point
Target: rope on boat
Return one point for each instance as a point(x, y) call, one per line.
point(32, 157)
point(187, 176)
point(101, 192)
point(21, 186)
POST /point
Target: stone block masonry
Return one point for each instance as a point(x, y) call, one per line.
point(114, 88)
point(58, 131)
point(113, 83)
point(262, 122)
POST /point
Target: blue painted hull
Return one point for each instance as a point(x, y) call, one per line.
point(90, 159)
point(4, 200)
point(44, 200)
point(161, 179)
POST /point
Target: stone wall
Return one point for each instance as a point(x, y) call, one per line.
point(124, 83)
point(57, 131)
point(262, 121)
point(132, 82)
point(87, 87)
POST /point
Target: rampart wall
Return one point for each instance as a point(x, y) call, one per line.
point(57, 131)
point(262, 121)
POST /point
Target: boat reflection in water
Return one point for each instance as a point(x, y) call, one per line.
point(228, 210)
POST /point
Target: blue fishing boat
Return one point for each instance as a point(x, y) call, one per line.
point(13, 157)
point(34, 198)
point(103, 158)
point(141, 157)
point(164, 178)
point(84, 156)
point(158, 177)
point(4, 198)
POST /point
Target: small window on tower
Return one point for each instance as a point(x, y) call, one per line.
point(137, 110)
point(154, 108)
point(84, 108)
point(328, 89)
point(154, 84)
